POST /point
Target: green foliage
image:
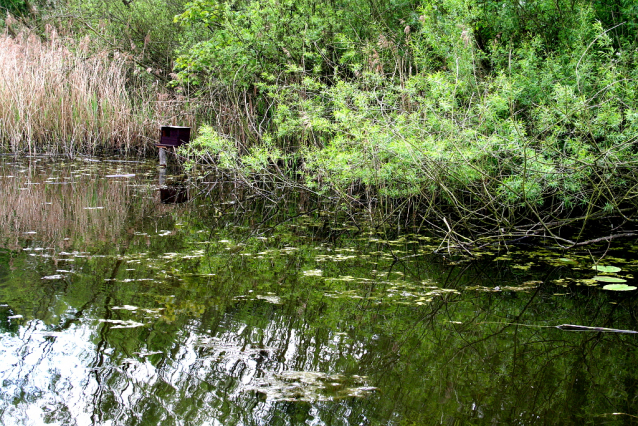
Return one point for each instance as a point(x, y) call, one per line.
point(497, 111)
point(539, 120)
point(552, 126)
point(15, 7)
point(142, 28)
point(212, 148)
point(251, 40)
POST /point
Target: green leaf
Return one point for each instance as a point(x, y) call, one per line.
point(619, 287)
point(606, 268)
point(606, 279)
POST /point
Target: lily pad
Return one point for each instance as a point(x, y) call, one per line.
point(606, 279)
point(606, 268)
point(619, 287)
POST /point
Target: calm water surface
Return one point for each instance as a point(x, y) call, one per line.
point(118, 308)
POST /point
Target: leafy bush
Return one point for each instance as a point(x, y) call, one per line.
point(209, 147)
point(513, 113)
point(143, 29)
point(253, 41)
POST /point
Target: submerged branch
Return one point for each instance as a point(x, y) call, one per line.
point(570, 327)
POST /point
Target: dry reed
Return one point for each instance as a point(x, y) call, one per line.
point(61, 95)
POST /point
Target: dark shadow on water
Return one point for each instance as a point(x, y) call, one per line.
point(174, 194)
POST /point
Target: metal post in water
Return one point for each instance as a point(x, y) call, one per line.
point(162, 157)
point(162, 176)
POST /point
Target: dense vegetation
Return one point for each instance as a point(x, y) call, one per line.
point(475, 117)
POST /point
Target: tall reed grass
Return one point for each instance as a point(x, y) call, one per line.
point(61, 95)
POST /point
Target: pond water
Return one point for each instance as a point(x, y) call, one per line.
point(118, 307)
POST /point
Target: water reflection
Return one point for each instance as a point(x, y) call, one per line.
point(199, 313)
point(175, 192)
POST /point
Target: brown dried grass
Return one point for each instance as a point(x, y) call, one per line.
point(60, 95)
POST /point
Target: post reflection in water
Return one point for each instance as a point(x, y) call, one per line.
point(175, 193)
point(144, 313)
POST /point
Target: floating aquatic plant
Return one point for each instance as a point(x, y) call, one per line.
point(608, 279)
point(619, 287)
point(606, 269)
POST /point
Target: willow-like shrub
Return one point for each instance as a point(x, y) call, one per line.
point(548, 138)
